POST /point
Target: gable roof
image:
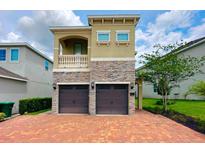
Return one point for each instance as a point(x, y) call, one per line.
point(25, 44)
point(4, 73)
point(183, 48)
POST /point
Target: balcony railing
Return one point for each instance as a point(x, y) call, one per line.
point(73, 61)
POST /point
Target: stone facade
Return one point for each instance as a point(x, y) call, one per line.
point(100, 71)
point(66, 77)
point(116, 72)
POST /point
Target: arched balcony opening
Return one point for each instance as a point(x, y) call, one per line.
point(73, 52)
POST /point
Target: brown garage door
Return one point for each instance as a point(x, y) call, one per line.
point(73, 99)
point(112, 99)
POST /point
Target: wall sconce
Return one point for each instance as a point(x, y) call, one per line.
point(132, 85)
point(92, 85)
point(54, 86)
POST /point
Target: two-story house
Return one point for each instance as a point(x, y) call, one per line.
point(24, 73)
point(94, 66)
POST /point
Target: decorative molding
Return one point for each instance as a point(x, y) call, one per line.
point(113, 59)
point(112, 82)
point(72, 83)
point(71, 70)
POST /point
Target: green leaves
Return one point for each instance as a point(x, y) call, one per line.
point(168, 70)
point(198, 88)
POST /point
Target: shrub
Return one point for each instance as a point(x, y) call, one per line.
point(34, 104)
point(159, 102)
point(2, 116)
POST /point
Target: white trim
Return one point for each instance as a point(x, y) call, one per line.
point(114, 16)
point(122, 32)
point(71, 70)
point(73, 83)
point(5, 56)
point(52, 28)
point(103, 32)
point(18, 56)
point(8, 77)
point(113, 59)
point(112, 82)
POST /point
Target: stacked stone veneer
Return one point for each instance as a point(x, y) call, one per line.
point(63, 78)
point(100, 71)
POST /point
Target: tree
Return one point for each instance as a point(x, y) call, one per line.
point(168, 70)
point(198, 88)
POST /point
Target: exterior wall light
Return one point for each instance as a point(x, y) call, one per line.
point(54, 86)
point(92, 85)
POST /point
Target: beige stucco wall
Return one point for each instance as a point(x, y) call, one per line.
point(65, 34)
point(113, 50)
point(198, 52)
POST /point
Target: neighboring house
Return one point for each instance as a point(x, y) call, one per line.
point(24, 73)
point(94, 66)
point(194, 48)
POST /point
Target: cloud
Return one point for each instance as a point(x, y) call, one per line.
point(1, 27)
point(165, 29)
point(12, 37)
point(196, 32)
point(34, 29)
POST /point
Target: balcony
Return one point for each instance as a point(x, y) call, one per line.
point(73, 53)
point(73, 61)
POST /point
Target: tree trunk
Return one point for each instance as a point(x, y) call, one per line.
point(165, 102)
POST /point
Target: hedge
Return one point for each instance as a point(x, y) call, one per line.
point(2, 116)
point(34, 104)
point(194, 123)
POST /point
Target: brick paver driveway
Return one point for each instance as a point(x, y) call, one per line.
point(141, 127)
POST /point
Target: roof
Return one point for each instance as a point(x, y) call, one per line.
point(190, 44)
point(56, 28)
point(10, 75)
point(135, 17)
point(28, 46)
point(184, 48)
point(115, 16)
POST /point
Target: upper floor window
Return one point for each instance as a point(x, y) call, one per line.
point(2, 54)
point(14, 55)
point(103, 36)
point(122, 36)
point(46, 65)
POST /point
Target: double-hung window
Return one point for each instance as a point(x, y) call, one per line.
point(2, 54)
point(14, 55)
point(103, 36)
point(46, 65)
point(122, 36)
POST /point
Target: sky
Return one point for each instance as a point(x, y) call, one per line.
point(154, 27)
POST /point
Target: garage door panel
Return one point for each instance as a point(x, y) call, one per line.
point(112, 99)
point(73, 99)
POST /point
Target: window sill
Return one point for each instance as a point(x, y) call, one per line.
point(127, 43)
point(103, 43)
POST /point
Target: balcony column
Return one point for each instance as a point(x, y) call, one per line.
point(56, 52)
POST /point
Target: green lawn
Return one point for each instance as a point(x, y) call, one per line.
point(195, 109)
point(38, 112)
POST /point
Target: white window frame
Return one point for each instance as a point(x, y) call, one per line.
point(122, 32)
point(5, 56)
point(17, 61)
point(103, 32)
